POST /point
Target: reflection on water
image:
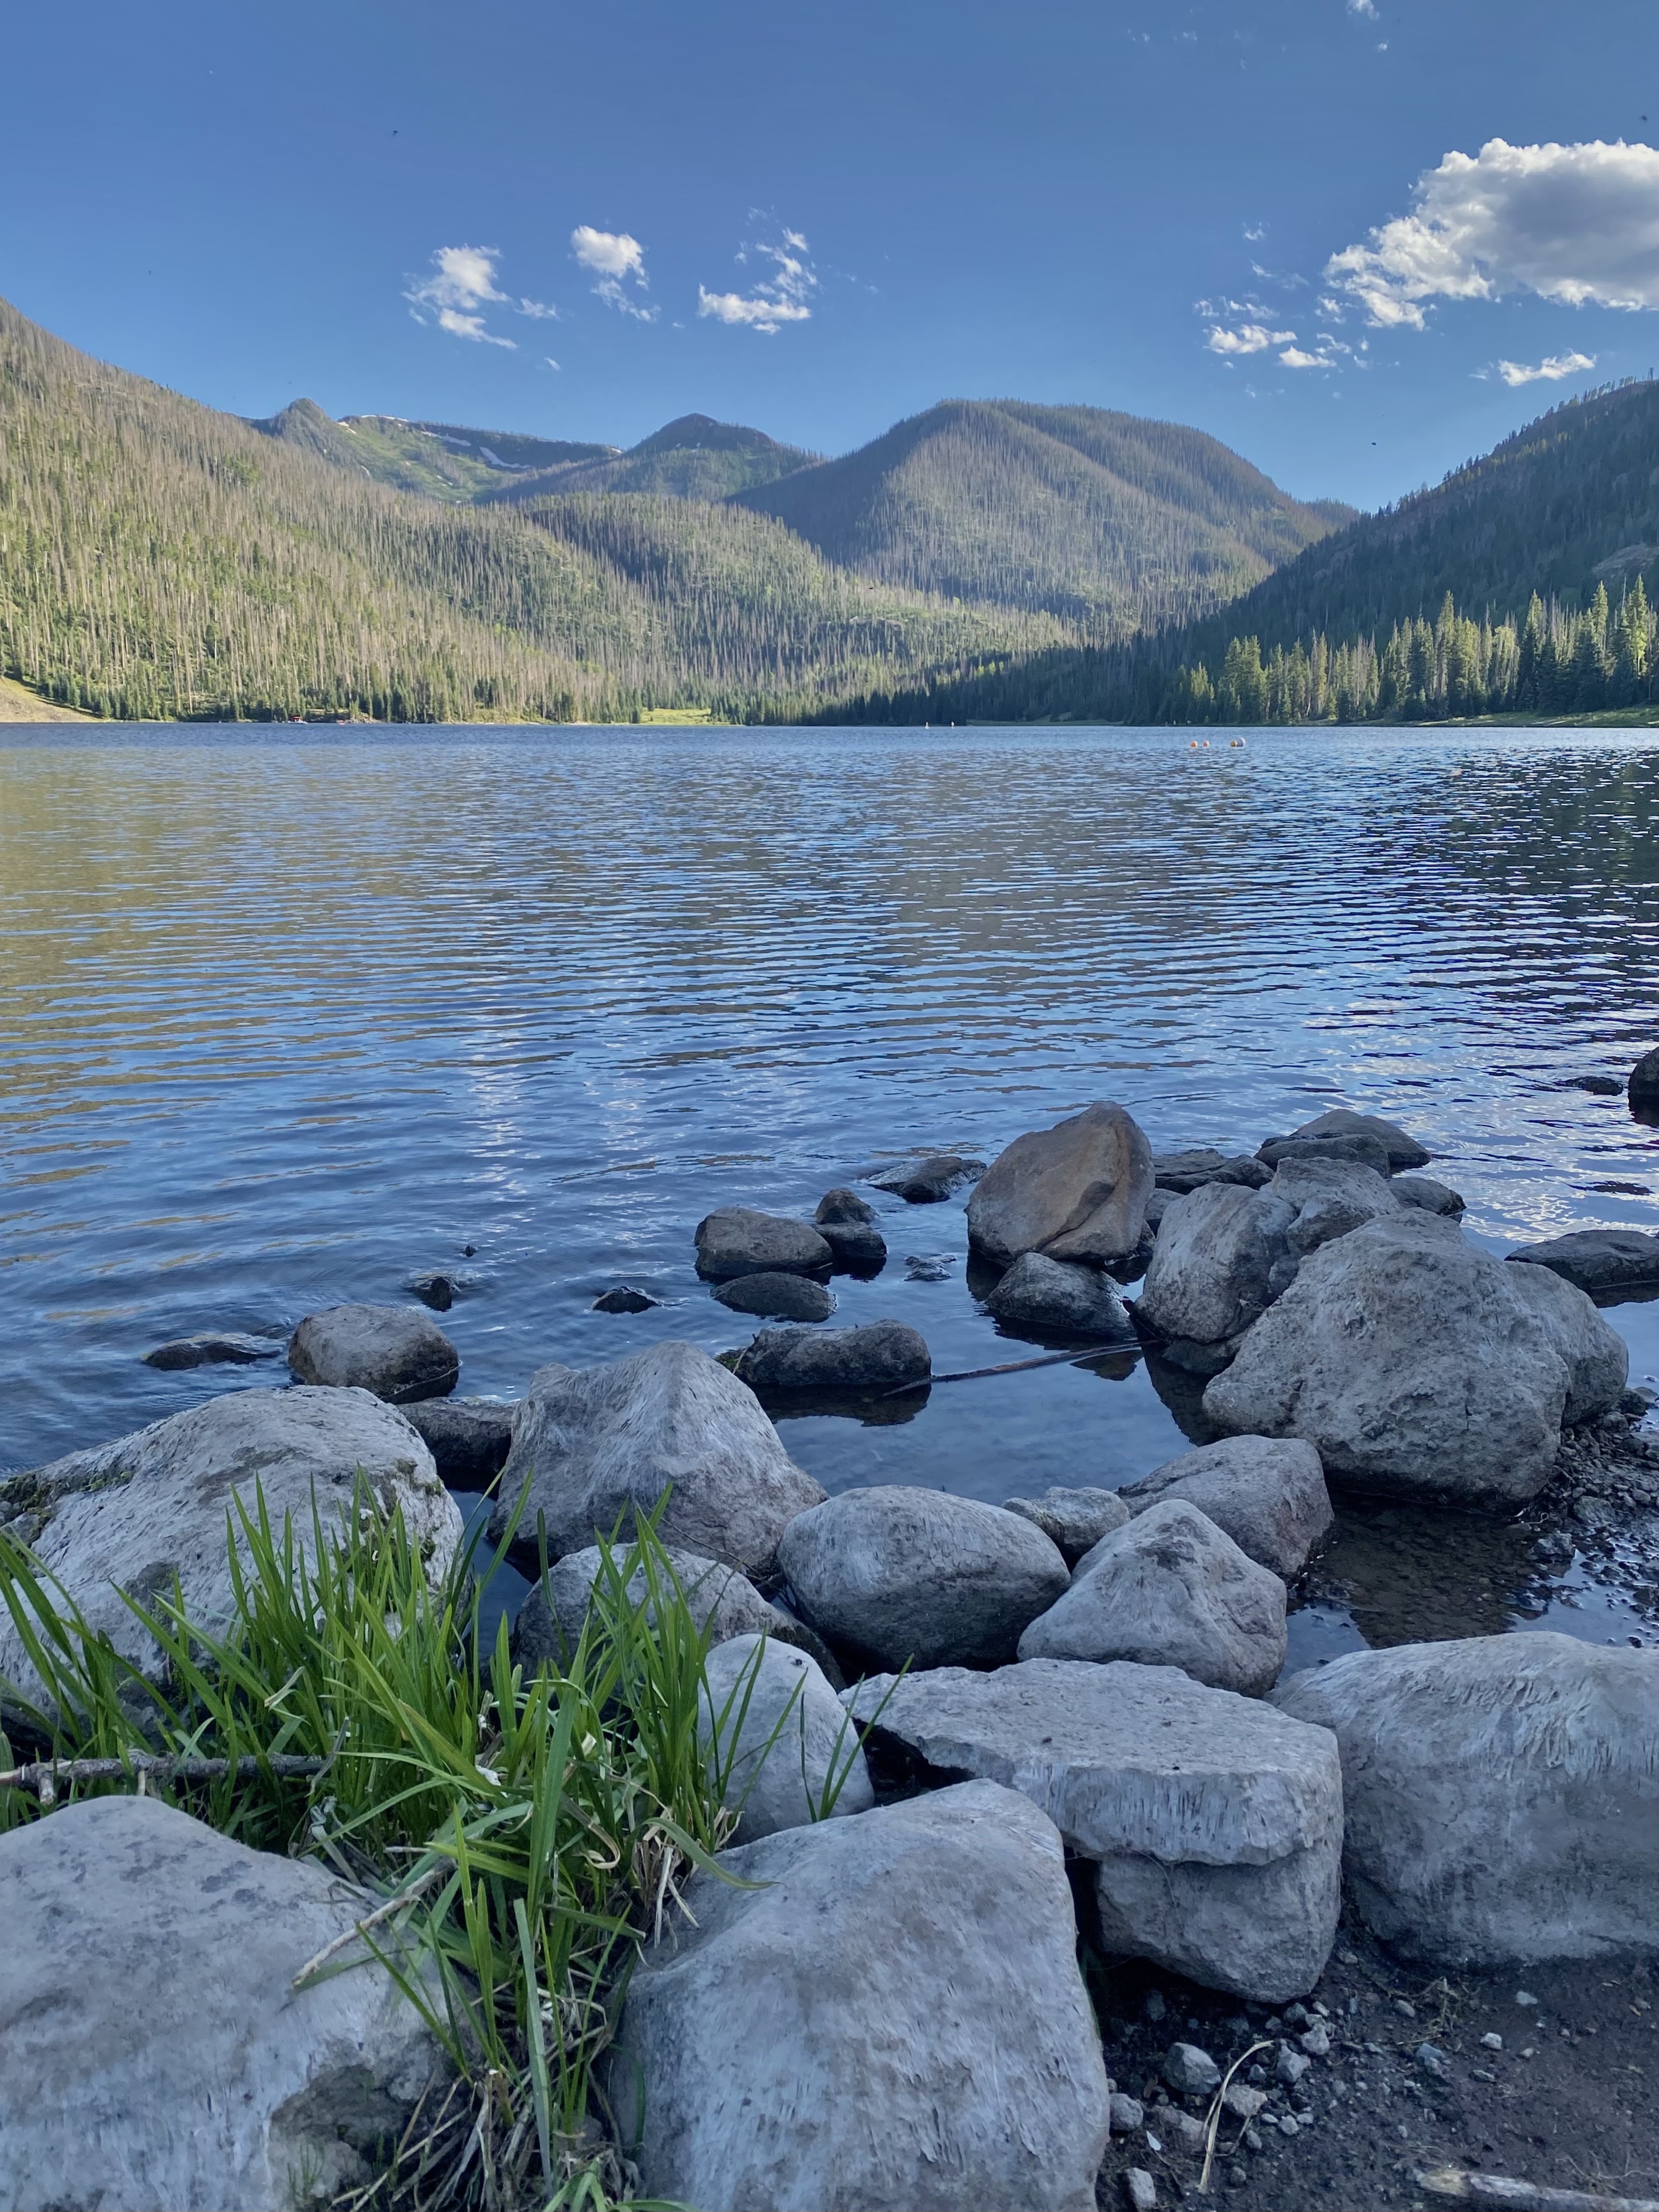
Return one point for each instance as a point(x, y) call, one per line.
point(293, 1017)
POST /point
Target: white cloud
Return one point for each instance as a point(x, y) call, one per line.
point(617, 260)
point(1578, 224)
point(461, 283)
point(772, 300)
point(1294, 357)
point(1365, 8)
point(1550, 370)
point(1249, 338)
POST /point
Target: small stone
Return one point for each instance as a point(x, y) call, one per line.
point(624, 1299)
point(1139, 2189)
point(1237, 2175)
point(1296, 2015)
point(929, 1266)
point(1191, 2071)
point(1258, 2075)
point(437, 1291)
point(1154, 2007)
point(1482, 2074)
point(1405, 2008)
point(1243, 2103)
point(1290, 2066)
point(1432, 2059)
point(1348, 1957)
point(1128, 2113)
point(1316, 2041)
point(1288, 2125)
point(1525, 1998)
point(1252, 2139)
point(1184, 2131)
point(1489, 2041)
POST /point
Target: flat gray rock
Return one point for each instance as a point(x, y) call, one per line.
point(929, 1182)
point(1405, 1356)
point(468, 1437)
point(1223, 1256)
point(1038, 1292)
point(1501, 1794)
point(877, 1356)
point(1217, 1827)
point(226, 1347)
point(152, 2049)
point(1423, 1190)
point(736, 1240)
point(1362, 1150)
point(1190, 1170)
point(1169, 1589)
point(593, 1446)
point(1075, 1520)
point(1077, 1191)
point(779, 1298)
point(134, 1514)
point(782, 1738)
point(892, 2017)
point(1331, 1198)
point(399, 1353)
point(1404, 1152)
point(896, 1573)
point(1267, 1494)
point(1606, 1263)
point(1597, 1357)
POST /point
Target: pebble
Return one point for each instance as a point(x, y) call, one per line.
point(1237, 2175)
point(1483, 2072)
point(1243, 2103)
point(1491, 2042)
point(1405, 2008)
point(1154, 2007)
point(1187, 2133)
point(1432, 2059)
point(1128, 2113)
point(1292, 2066)
point(1140, 2189)
point(1252, 2139)
point(1296, 2015)
point(1525, 1998)
point(1288, 2125)
point(1192, 2071)
point(1316, 2042)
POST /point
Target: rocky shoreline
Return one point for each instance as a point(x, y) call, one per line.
point(963, 1740)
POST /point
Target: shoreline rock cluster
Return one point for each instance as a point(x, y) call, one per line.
point(886, 2005)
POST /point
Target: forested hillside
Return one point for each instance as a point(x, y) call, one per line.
point(693, 457)
point(1524, 583)
point(437, 458)
point(1107, 520)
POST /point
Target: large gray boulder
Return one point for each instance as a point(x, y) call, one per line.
point(879, 1355)
point(736, 1240)
point(1597, 1357)
point(1267, 1494)
point(1501, 1794)
point(1404, 1354)
point(1076, 1520)
point(1223, 1256)
point(1608, 1264)
point(1331, 1197)
point(593, 1446)
point(890, 2016)
point(782, 1738)
point(1038, 1292)
point(153, 2050)
point(135, 1513)
point(1169, 1589)
point(1404, 1152)
point(1077, 1191)
point(399, 1353)
point(896, 1574)
point(1215, 1823)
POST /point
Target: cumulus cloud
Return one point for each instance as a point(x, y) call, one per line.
point(616, 261)
point(772, 300)
point(1295, 358)
point(1550, 370)
point(1365, 8)
point(1249, 337)
point(1578, 224)
point(461, 283)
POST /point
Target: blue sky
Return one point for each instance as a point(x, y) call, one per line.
point(821, 220)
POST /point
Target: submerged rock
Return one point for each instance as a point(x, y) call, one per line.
point(780, 1297)
point(736, 1240)
point(1606, 1264)
point(397, 1352)
point(1501, 1794)
point(1038, 1292)
point(1269, 1494)
point(929, 1182)
point(228, 1347)
point(153, 2049)
point(1215, 1822)
point(592, 1447)
point(469, 1437)
point(135, 1513)
point(896, 1574)
point(1075, 1520)
point(1077, 1191)
point(435, 1290)
point(1643, 1086)
point(1223, 1256)
point(624, 1299)
point(1169, 1589)
point(888, 2012)
point(781, 1736)
point(878, 1356)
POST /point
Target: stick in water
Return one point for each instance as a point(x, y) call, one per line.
point(1014, 1366)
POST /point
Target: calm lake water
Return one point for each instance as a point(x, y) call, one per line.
point(291, 1017)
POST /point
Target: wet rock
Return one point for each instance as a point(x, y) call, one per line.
point(782, 1738)
point(1423, 1190)
point(624, 1299)
point(1607, 1264)
point(1597, 1357)
point(396, 1352)
point(847, 1223)
point(228, 1347)
point(1501, 1794)
point(1330, 1197)
point(1077, 1191)
point(1268, 1494)
point(1038, 1292)
point(1357, 1151)
point(736, 1240)
point(780, 1297)
point(1189, 2071)
point(1404, 1355)
point(1223, 1256)
point(435, 1290)
point(1642, 1085)
point(896, 1574)
point(1170, 1589)
point(929, 1182)
point(1214, 1821)
point(878, 1356)
point(468, 1437)
point(1075, 1520)
point(152, 2049)
point(1404, 1152)
point(593, 1446)
point(1598, 1086)
point(845, 1209)
point(930, 1266)
point(1190, 1171)
point(908, 1979)
point(153, 1505)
